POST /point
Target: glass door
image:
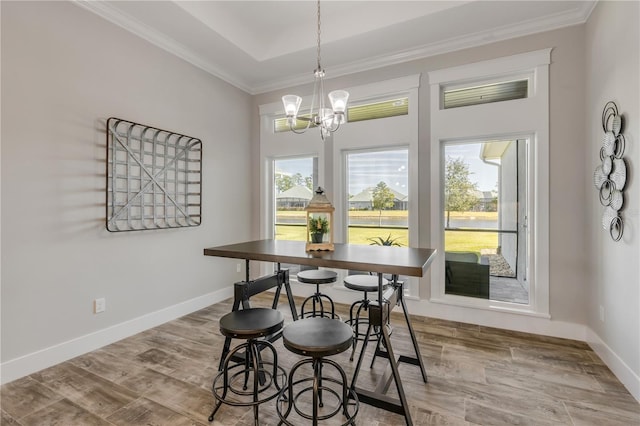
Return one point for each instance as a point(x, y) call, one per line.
point(485, 219)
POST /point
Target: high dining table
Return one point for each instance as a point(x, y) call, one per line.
point(377, 259)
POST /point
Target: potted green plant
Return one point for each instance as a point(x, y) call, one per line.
point(318, 227)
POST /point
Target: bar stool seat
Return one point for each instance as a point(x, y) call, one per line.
point(317, 338)
point(365, 284)
point(250, 325)
point(317, 277)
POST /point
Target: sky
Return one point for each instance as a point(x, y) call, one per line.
point(367, 168)
point(485, 175)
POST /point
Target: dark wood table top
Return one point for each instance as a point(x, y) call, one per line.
point(409, 261)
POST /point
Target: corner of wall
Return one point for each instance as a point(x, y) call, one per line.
point(622, 371)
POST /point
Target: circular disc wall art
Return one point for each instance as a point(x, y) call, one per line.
point(610, 175)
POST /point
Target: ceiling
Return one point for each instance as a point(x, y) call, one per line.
point(259, 46)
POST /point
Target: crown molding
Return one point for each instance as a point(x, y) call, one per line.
point(552, 22)
point(534, 26)
point(129, 23)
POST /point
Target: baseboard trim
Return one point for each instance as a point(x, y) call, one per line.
point(36, 361)
point(514, 321)
point(622, 371)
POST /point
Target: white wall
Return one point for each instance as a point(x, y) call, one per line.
point(64, 72)
point(613, 74)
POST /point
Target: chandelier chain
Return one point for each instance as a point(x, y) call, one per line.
point(319, 67)
point(327, 120)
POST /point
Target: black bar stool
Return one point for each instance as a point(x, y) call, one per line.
point(317, 277)
point(365, 284)
point(250, 325)
point(317, 338)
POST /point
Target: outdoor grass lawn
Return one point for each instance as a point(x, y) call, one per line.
point(356, 235)
point(391, 213)
point(454, 240)
point(470, 241)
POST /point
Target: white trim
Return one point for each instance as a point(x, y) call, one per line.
point(513, 64)
point(526, 118)
point(622, 371)
point(359, 93)
point(535, 324)
point(36, 361)
point(520, 29)
point(329, 153)
point(490, 305)
point(401, 132)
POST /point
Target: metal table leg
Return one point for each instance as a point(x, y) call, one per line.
point(378, 316)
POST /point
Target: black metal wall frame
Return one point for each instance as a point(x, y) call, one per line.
point(154, 178)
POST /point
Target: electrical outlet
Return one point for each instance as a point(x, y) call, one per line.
point(601, 313)
point(99, 305)
point(238, 267)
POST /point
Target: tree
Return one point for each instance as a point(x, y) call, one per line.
point(308, 182)
point(458, 189)
point(383, 198)
point(297, 179)
point(283, 182)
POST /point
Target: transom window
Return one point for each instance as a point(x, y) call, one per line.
point(355, 113)
point(485, 93)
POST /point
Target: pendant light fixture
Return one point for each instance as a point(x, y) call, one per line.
point(327, 119)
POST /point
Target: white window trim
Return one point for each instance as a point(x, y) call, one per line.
point(331, 167)
point(528, 116)
point(405, 86)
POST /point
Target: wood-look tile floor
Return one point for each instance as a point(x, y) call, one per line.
point(477, 375)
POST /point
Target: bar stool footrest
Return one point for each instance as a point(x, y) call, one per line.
point(286, 404)
point(216, 388)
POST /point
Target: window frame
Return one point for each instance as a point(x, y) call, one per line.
point(331, 166)
point(528, 77)
point(507, 119)
point(393, 133)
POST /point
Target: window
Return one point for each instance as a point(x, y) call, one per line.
point(355, 113)
point(383, 119)
point(490, 186)
point(485, 215)
point(485, 93)
point(376, 110)
point(293, 181)
point(378, 196)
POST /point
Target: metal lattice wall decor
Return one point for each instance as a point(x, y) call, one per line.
point(154, 178)
point(610, 176)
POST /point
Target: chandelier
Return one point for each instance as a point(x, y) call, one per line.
point(327, 119)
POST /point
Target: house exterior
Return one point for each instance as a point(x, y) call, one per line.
point(295, 198)
point(364, 200)
point(65, 71)
point(486, 201)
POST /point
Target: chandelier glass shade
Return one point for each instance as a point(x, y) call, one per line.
point(327, 119)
